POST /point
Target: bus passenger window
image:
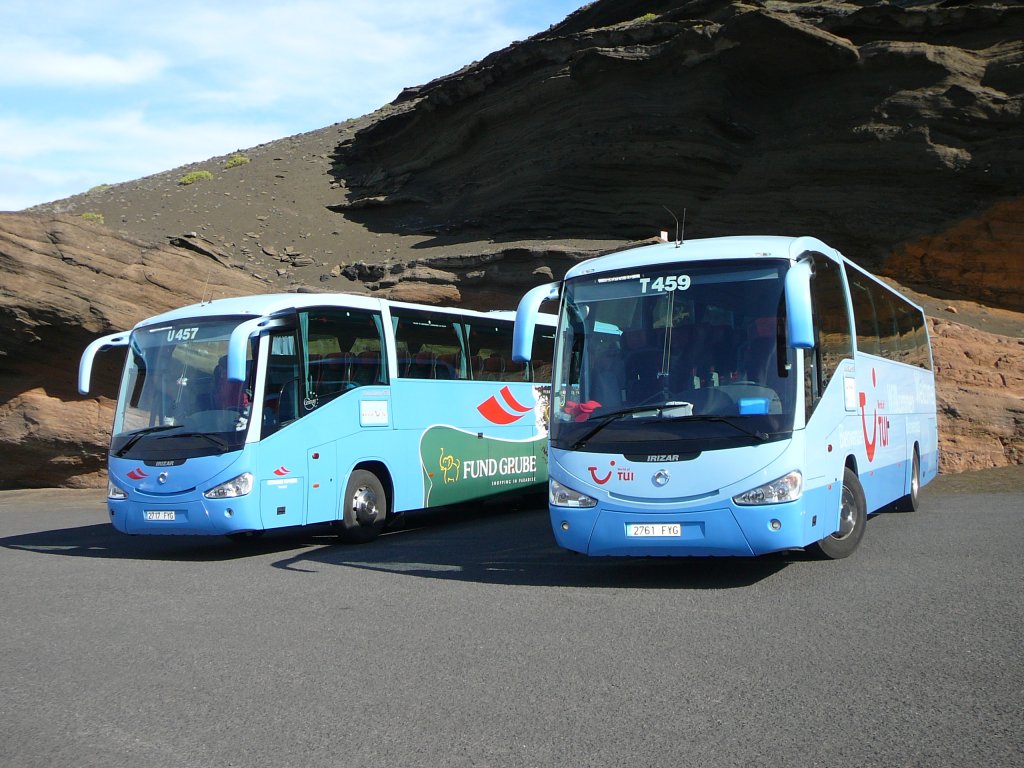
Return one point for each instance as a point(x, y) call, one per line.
point(913, 338)
point(864, 316)
point(343, 348)
point(543, 353)
point(430, 345)
point(490, 350)
point(888, 332)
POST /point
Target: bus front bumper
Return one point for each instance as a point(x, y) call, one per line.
point(725, 529)
point(184, 515)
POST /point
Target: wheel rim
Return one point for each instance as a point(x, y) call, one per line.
point(915, 478)
point(364, 505)
point(847, 515)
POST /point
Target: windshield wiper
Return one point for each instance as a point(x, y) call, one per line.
point(136, 436)
point(608, 418)
point(660, 411)
point(212, 438)
point(754, 433)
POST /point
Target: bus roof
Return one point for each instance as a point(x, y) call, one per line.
point(739, 247)
point(263, 305)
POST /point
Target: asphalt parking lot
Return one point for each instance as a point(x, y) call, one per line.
point(470, 639)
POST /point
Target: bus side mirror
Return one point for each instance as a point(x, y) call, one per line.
point(239, 340)
point(799, 316)
point(526, 319)
point(100, 345)
point(237, 343)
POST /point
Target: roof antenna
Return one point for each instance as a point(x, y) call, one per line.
point(209, 274)
point(680, 228)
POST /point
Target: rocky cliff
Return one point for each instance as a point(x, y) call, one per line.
point(65, 282)
point(891, 130)
point(980, 393)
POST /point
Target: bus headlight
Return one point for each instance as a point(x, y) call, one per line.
point(562, 496)
point(116, 492)
point(233, 488)
point(786, 488)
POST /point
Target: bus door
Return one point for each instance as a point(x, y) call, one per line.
point(323, 492)
point(341, 369)
point(282, 482)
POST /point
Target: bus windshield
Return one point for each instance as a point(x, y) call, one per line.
point(674, 358)
point(175, 399)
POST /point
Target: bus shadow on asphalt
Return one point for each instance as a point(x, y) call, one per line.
point(493, 544)
point(104, 542)
point(516, 547)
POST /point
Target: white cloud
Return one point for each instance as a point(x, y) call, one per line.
point(112, 90)
point(70, 156)
point(122, 134)
point(37, 63)
point(354, 56)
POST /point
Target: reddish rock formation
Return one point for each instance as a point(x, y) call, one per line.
point(981, 258)
point(65, 282)
point(980, 392)
point(893, 131)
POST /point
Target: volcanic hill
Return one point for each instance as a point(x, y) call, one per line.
point(893, 131)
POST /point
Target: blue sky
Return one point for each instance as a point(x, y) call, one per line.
point(108, 91)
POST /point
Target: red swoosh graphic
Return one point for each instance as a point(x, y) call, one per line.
point(511, 402)
point(137, 474)
point(281, 471)
point(495, 414)
point(869, 445)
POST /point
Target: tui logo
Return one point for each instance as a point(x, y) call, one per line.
point(624, 474)
point(879, 423)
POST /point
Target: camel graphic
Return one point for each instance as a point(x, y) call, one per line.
point(450, 467)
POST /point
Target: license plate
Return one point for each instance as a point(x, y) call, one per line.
point(159, 514)
point(654, 530)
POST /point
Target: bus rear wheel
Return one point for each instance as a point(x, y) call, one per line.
point(364, 507)
point(852, 521)
point(912, 500)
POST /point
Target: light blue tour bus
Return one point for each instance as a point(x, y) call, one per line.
point(239, 415)
point(731, 396)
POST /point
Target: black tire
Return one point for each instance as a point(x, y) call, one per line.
point(853, 519)
point(364, 508)
point(912, 500)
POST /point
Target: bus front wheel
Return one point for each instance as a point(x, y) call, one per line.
point(852, 521)
point(365, 507)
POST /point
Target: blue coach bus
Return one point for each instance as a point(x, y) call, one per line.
point(732, 396)
point(240, 415)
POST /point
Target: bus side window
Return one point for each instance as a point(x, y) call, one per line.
point(430, 344)
point(543, 354)
point(490, 350)
point(888, 332)
point(344, 349)
point(913, 339)
point(887, 325)
point(834, 341)
point(864, 316)
point(281, 383)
